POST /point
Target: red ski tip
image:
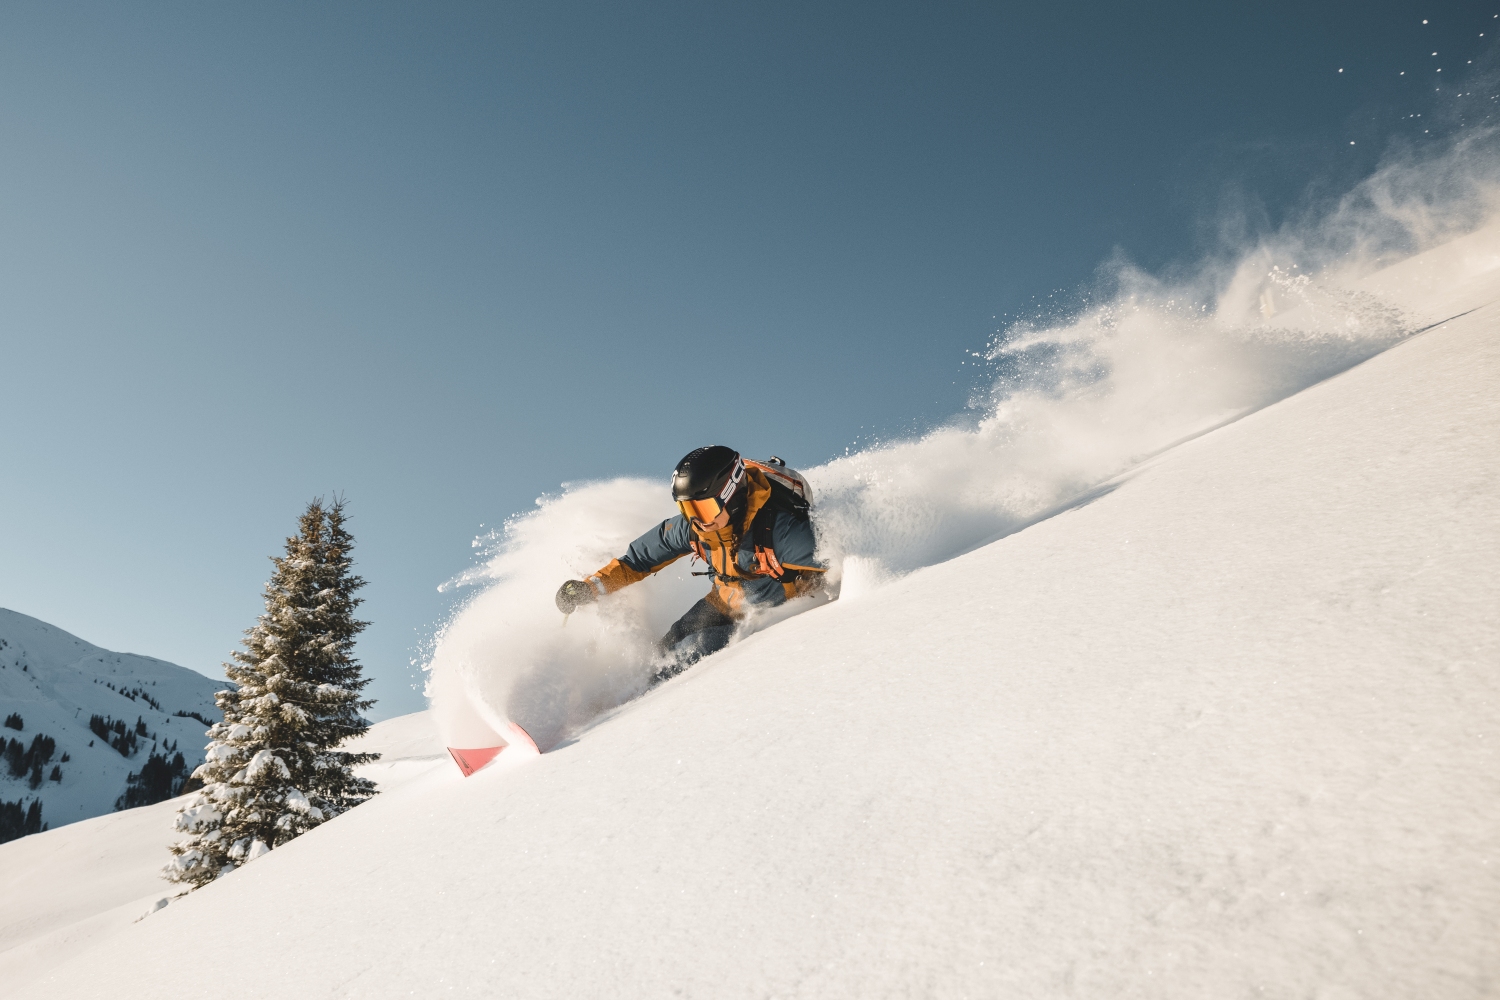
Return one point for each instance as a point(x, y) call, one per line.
point(520, 738)
point(469, 761)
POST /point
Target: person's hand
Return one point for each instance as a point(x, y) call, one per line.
point(575, 594)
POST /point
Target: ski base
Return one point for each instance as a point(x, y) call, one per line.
point(472, 759)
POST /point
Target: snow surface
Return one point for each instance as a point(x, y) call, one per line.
point(1222, 726)
point(409, 746)
point(66, 888)
point(56, 681)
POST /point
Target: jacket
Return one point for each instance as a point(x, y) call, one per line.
point(761, 558)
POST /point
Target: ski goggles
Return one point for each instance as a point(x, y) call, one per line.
point(707, 511)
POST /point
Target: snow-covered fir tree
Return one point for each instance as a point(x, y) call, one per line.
point(272, 771)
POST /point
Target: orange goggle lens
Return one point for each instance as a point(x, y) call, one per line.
point(702, 511)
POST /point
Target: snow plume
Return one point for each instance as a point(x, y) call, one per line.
point(1076, 402)
point(508, 654)
point(1071, 404)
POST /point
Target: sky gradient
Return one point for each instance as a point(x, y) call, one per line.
point(441, 258)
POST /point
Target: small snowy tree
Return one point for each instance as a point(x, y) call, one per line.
point(272, 771)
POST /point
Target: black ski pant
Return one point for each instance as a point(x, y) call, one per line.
point(703, 630)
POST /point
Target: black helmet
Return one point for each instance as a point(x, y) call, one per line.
point(705, 481)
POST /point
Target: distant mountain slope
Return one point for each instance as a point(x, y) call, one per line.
point(56, 683)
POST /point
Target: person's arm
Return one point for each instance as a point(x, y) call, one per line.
point(653, 551)
point(656, 549)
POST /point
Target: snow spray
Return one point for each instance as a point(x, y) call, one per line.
point(1070, 405)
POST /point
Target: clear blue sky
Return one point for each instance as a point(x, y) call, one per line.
point(444, 257)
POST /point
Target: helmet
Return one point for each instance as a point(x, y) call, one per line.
point(706, 480)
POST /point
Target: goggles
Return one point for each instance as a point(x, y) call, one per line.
point(707, 511)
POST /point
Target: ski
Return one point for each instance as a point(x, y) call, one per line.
point(472, 759)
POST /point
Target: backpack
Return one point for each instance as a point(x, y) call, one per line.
point(790, 480)
point(790, 490)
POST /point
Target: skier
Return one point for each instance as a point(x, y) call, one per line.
point(748, 521)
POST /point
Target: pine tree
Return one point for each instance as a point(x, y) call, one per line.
point(272, 771)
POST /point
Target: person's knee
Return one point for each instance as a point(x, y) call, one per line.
point(704, 641)
point(694, 646)
point(711, 640)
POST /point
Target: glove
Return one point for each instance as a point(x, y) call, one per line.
point(575, 594)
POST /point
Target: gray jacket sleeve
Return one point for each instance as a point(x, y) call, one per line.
point(663, 544)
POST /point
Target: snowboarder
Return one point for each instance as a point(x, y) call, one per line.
point(748, 521)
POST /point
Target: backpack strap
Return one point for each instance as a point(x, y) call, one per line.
point(766, 563)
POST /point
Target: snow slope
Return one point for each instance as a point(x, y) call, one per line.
point(56, 681)
point(1223, 727)
point(409, 747)
point(67, 889)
